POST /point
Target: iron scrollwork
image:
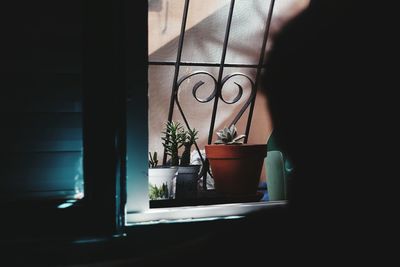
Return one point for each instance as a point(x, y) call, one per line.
point(205, 168)
point(216, 92)
point(239, 95)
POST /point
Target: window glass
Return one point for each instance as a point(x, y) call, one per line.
point(198, 114)
point(247, 32)
point(204, 40)
point(202, 49)
point(165, 20)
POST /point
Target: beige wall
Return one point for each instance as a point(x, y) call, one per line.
point(203, 42)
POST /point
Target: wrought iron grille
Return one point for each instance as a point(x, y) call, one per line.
point(219, 81)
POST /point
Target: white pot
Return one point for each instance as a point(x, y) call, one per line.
point(161, 182)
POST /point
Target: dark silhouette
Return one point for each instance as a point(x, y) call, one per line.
point(323, 82)
point(311, 85)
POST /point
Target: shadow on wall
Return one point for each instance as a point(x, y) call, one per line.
point(205, 45)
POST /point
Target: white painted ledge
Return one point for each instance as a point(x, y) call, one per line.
point(198, 213)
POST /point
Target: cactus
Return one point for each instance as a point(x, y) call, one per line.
point(173, 139)
point(153, 161)
point(191, 137)
point(228, 136)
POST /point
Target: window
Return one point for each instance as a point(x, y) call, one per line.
point(217, 37)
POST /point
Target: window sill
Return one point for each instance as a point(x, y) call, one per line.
point(199, 213)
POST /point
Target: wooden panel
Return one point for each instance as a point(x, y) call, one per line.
point(41, 120)
point(40, 172)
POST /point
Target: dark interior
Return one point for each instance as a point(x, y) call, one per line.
point(80, 51)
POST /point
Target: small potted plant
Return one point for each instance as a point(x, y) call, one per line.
point(236, 167)
point(160, 179)
point(175, 137)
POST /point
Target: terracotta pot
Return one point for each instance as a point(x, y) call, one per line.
point(236, 168)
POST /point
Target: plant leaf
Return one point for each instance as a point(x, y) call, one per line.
point(242, 136)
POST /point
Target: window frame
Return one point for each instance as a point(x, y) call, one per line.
point(220, 79)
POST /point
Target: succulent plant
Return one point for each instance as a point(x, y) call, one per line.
point(228, 136)
point(191, 137)
point(158, 192)
point(153, 161)
point(173, 139)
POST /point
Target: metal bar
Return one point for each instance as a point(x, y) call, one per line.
point(219, 86)
point(188, 126)
point(221, 71)
point(205, 167)
point(177, 66)
point(260, 65)
point(205, 64)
